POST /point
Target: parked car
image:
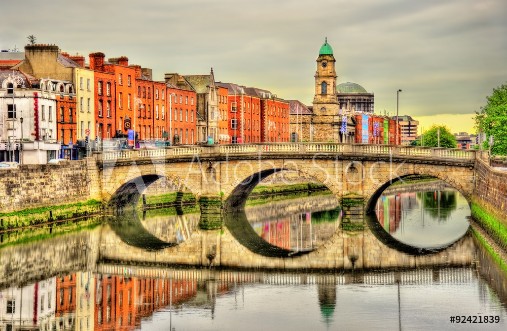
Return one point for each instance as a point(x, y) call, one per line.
point(9, 165)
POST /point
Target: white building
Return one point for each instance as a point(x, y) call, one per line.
point(28, 120)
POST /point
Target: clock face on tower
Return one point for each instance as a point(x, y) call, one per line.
point(324, 64)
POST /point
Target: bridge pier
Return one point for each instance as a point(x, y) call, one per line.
point(211, 212)
point(353, 210)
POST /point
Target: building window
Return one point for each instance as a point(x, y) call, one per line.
point(234, 123)
point(88, 105)
point(120, 96)
point(81, 104)
point(88, 84)
point(11, 111)
point(181, 115)
point(70, 115)
point(139, 91)
point(43, 112)
point(163, 94)
point(11, 307)
point(80, 83)
point(129, 102)
point(120, 79)
point(129, 80)
point(108, 89)
point(99, 88)
point(108, 108)
point(186, 115)
point(233, 107)
point(10, 88)
point(100, 108)
point(323, 88)
point(156, 112)
point(156, 93)
point(62, 111)
point(50, 113)
point(163, 112)
point(192, 116)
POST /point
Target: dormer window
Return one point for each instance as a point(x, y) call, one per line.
point(10, 88)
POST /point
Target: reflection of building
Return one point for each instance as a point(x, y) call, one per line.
point(85, 301)
point(65, 302)
point(31, 307)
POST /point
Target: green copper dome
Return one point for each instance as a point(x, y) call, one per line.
point(349, 87)
point(326, 49)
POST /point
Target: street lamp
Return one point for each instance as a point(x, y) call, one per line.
point(397, 115)
point(21, 143)
point(171, 136)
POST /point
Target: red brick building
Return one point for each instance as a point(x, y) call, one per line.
point(105, 97)
point(223, 115)
point(182, 117)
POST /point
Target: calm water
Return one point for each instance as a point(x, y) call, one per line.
point(74, 288)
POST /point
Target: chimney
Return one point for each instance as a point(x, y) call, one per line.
point(79, 59)
point(122, 61)
point(148, 73)
point(97, 61)
point(137, 68)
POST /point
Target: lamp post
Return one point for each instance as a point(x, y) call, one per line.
point(397, 116)
point(21, 143)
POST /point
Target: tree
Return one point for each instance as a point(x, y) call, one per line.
point(431, 137)
point(492, 120)
point(31, 39)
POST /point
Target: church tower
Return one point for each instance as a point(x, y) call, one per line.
point(326, 123)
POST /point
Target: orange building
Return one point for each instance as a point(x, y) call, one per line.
point(275, 118)
point(223, 113)
point(65, 295)
point(66, 120)
point(182, 115)
point(105, 100)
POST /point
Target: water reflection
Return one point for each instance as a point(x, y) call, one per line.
point(425, 219)
point(128, 298)
point(299, 226)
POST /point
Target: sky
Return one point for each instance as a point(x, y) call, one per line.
point(446, 56)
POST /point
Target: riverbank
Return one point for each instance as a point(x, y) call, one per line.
point(46, 215)
point(493, 224)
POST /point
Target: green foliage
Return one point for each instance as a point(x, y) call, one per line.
point(492, 120)
point(492, 252)
point(493, 226)
point(430, 138)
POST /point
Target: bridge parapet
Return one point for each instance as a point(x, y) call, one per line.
point(292, 149)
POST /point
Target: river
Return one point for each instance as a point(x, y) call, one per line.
point(441, 273)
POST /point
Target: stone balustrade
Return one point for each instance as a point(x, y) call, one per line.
point(292, 149)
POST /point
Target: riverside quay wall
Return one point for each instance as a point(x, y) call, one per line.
point(36, 185)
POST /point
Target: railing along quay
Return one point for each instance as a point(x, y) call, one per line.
point(291, 149)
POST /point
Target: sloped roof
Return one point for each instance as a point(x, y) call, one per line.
point(199, 83)
point(298, 108)
point(66, 62)
point(21, 78)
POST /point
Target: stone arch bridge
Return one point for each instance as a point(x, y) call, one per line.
point(228, 173)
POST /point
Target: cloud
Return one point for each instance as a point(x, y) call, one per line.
point(446, 56)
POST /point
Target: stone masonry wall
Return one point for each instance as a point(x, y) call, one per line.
point(491, 188)
point(32, 185)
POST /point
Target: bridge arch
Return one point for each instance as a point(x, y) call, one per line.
point(128, 192)
point(240, 189)
point(461, 182)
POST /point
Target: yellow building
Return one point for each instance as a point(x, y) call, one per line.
point(85, 118)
